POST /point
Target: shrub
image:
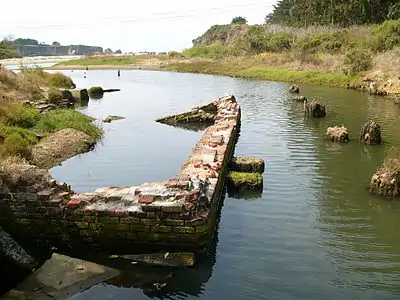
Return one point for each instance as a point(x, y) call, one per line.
point(96, 92)
point(216, 50)
point(175, 54)
point(16, 114)
point(239, 20)
point(14, 144)
point(357, 60)
point(386, 36)
point(68, 118)
point(59, 80)
point(325, 42)
point(54, 95)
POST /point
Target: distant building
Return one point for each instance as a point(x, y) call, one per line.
point(56, 49)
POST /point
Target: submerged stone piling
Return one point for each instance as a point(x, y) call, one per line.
point(371, 133)
point(179, 213)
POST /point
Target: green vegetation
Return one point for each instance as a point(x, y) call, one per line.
point(96, 92)
point(357, 60)
point(239, 20)
point(68, 118)
point(42, 78)
point(102, 60)
point(6, 50)
point(19, 124)
point(244, 180)
point(328, 12)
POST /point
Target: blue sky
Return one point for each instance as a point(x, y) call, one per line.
point(145, 25)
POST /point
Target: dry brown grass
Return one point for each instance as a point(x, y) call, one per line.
point(388, 61)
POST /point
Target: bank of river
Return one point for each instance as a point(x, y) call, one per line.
point(313, 233)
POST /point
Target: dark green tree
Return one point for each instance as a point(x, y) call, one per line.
point(239, 20)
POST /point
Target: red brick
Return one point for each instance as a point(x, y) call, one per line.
point(74, 204)
point(212, 144)
point(89, 211)
point(120, 213)
point(189, 206)
point(171, 184)
point(197, 163)
point(216, 166)
point(179, 196)
point(146, 199)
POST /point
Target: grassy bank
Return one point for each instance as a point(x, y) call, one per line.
point(21, 127)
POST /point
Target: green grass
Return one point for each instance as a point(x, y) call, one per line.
point(255, 178)
point(38, 76)
point(102, 60)
point(245, 70)
point(16, 114)
point(68, 118)
point(17, 141)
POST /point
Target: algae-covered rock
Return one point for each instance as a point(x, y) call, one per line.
point(247, 164)
point(109, 119)
point(338, 134)
point(386, 180)
point(80, 95)
point(201, 114)
point(96, 92)
point(244, 181)
point(314, 109)
point(294, 89)
point(371, 133)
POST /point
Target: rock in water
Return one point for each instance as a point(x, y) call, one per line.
point(338, 134)
point(294, 89)
point(80, 95)
point(314, 109)
point(371, 133)
point(171, 259)
point(109, 119)
point(247, 164)
point(300, 99)
point(386, 180)
point(11, 250)
point(244, 181)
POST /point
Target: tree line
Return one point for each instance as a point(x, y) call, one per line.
point(333, 12)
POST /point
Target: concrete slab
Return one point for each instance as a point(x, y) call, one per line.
point(60, 278)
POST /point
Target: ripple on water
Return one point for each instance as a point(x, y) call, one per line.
point(315, 233)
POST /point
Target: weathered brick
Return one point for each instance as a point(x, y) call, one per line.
point(129, 220)
point(90, 219)
point(130, 235)
point(145, 199)
point(161, 228)
point(117, 227)
point(54, 202)
point(139, 228)
point(137, 214)
point(150, 221)
point(45, 194)
point(152, 215)
point(109, 220)
point(81, 225)
point(152, 236)
point(183, 229)
point(172, 208)
point(171, 222)
point(23, 221)
point(201, 228)
point(151, 208)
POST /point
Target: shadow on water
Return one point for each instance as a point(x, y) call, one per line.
point(192, 127)
point(160, 282)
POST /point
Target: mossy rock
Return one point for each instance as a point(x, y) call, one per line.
point(247, 164)
point(386, 181)
point(96, 92)
point(371, 133)
point(244, 181)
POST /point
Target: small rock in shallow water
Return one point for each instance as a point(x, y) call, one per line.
point(371, 133)
point(109, 119)
point(338, 134)
point(294, 89)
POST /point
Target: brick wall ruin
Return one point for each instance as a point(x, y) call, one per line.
point(178, 213)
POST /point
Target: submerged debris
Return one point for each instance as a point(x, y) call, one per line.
point(300, 98)
point(314, 109)
point(200, 114)
point(170, 259)
point(109, 119)
point(247, 164)
point(244, 181)
point(338, 134)
point(371, 133)
point(294, 89)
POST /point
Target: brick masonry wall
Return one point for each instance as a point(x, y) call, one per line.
point(179, 213)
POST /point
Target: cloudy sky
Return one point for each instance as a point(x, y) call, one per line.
point(141, 25)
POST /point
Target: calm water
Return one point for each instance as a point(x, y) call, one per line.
point(314, 233)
